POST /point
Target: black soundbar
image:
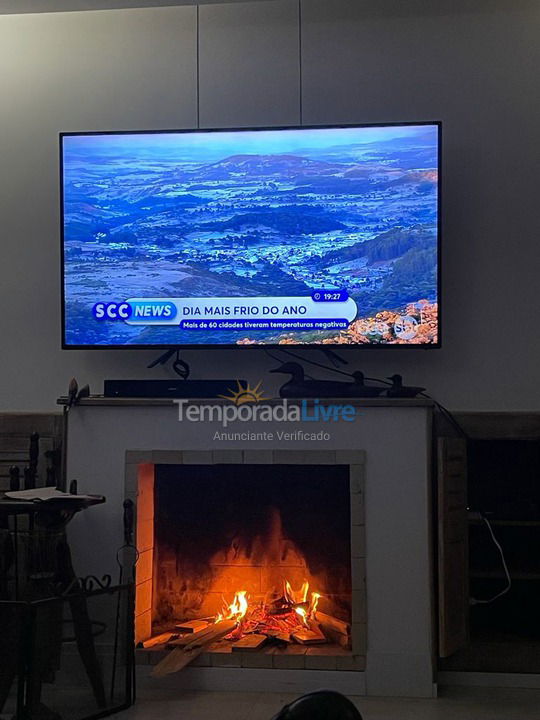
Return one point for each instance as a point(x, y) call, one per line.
point(170, 388)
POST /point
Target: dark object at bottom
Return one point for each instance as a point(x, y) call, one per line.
point(321, 705)
point(169, 388)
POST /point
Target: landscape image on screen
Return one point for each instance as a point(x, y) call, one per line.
point(294, 236)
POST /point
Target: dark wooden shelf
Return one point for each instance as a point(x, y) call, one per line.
point(100, 400)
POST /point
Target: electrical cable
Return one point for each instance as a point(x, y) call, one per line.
point(444, 411)
point(333, 356)
point(314, 362)
point(181, 367)
point(474, 601)
point(267, 352)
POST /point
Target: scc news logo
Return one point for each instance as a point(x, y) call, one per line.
point(137, 309)
point(112, 311)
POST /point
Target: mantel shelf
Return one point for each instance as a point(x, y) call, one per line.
point(100, 401)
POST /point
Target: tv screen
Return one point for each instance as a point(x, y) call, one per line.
point(265, 237)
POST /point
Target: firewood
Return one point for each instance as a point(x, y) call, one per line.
point(179, 657)
point(283, 637)
point(333, 623)
point(249, 643)
point(192, 626)
point(336, 631)
point(188, 638)
point(176, 660)
point(280, 606)
point(159, 639)
point(336, 638)
point(214, 632)
point(311, 636)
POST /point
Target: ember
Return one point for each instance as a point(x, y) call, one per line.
point(277, 619)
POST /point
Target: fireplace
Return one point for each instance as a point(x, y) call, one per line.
point(113, 444)
point(271, 552)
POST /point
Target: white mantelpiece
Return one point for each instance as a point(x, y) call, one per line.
point(396, 439)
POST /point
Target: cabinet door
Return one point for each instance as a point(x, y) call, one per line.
point(453, 545)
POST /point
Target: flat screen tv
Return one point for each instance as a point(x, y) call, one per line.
point(298, 235)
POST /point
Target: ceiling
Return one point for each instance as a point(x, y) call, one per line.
point(10, 7)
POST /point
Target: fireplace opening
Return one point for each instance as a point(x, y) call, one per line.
point(263, 551)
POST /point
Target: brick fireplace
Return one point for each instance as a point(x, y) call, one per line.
point(285, 532)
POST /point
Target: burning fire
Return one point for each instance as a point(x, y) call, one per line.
point(308, 614)
point(313, 604)
point(303, 614)
point(236, 610)
point(295, 597)
point(277, 618)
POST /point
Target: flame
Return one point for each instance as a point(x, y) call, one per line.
point(313, 604)
point(257, 617)
point(303, 614)
point(236, 610)
point(308, 614)
point(288, 592)
point(238, 607)
point(293, 596)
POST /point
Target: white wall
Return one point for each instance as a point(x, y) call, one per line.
point(474, 65)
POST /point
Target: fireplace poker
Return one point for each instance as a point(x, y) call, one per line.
point(128, 545)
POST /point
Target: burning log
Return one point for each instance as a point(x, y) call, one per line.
point(311, 633)
point(280, 606)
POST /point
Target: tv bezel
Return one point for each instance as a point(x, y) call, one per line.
point(257, 346)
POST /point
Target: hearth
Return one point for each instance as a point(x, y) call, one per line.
point(251, 558)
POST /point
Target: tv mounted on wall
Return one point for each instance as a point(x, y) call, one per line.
point(297, 235)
